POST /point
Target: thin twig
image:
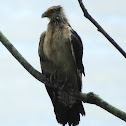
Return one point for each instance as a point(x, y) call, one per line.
point(100, 29)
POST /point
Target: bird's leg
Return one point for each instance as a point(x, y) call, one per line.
point(64, 85)
point(53, 76)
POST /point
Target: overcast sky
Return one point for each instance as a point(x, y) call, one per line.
point(23, 99)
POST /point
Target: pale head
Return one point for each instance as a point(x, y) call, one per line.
point(54, 12)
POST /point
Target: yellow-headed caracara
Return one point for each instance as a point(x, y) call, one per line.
point(60, 51)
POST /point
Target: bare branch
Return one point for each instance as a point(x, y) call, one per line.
point(86, 98)
point(95, 99)
point(21, 59)
point(100, 29)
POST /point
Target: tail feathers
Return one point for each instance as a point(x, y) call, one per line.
point(68, 115)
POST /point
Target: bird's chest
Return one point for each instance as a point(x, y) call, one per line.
point(54, 46)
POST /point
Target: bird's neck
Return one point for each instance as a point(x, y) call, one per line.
point(57, 20)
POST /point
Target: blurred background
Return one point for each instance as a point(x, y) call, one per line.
point(23, 99)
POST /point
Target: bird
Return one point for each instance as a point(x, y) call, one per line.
point(61, 51)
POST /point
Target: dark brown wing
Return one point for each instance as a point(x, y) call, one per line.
point(78, 50)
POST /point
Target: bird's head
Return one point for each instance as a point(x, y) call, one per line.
point(53, 12)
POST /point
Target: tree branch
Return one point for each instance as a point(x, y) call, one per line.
point(95, 99)
point(86, 98)
point(21, 59)
point(100, 29)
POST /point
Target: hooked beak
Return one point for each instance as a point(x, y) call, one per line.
point(44, 15)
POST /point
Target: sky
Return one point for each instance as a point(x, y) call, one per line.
point(23, 99)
